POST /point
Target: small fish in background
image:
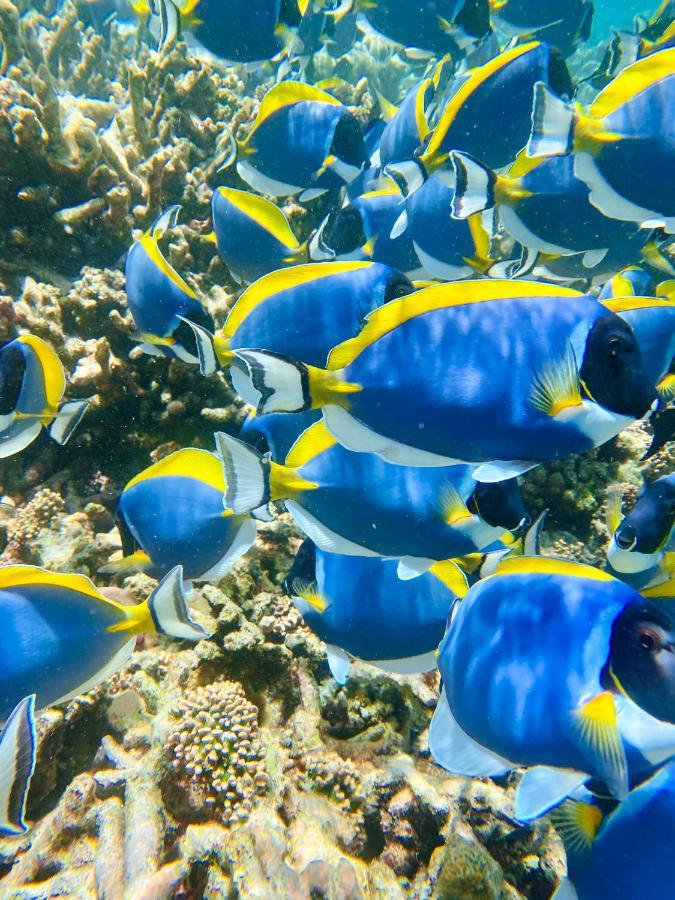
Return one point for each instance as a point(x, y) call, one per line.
point(624, 853)
point(303, 310)
point(623, 145)
point(235, 33)
point(565, 26)
point(303, 141)
point(360, 608)
point(543, 206)
point(447, 248)
point(358, 504)
point(575, 677)
point(642, 541)
point(436, 28)
point(500, 91)
point(173, 514)
point(633, 281)
point(17, 765)
point(552, 371)
point(361, 229)
point(32, 385)
point(253, 236)
point(170, 319)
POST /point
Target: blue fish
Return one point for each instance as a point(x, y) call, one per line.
point(552, 371)
point(362, 228)
point(633, 281)
point(574, 674)
point(449, 249)
point(302, 311)
point(276, 433)
point(173, 514)
point(32, 385)
point(170, 319)
point(542, 205)
point(62, 637)
point(624, 146)
point(499, 91)
point(624, 854)
point(252, 235)
point(358, 504)
point(359, 607)
point(641, 540)
point(564, 27)
point(303, 139)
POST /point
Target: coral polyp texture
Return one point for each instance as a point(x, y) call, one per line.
point(217, 760)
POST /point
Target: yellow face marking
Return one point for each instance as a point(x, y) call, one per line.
point(264, 212)
point(187, 463)
point(442, 296)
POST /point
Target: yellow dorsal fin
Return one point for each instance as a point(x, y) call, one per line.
point(452, 576)
point(314, 440)
point(18, 576)
point(269, 286)
point(633, 80)
point(187, 463)
point(613, 512)
point(151, 247)
point(387, 108)
point(286, 93)
point(264, 212)
point(557, 386)
point(546, 565)
point(52, 368)
point(439, 296)
point(626, 304)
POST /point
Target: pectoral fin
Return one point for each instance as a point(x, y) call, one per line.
point(597, 735)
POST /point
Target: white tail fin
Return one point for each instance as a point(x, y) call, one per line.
point(283, 383)
point(67, 419)
point(247, 475)
point(409, 175)
point(474, 186)
point(552, 124)
point(17, 763)
point(169, 610)
point(205, 352)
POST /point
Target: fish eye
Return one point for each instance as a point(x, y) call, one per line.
point(648, 640)
point(625, 540)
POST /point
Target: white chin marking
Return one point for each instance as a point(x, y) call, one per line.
point(596, 422)
point(629, 562)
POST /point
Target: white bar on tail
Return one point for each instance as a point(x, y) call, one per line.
point(17, 763)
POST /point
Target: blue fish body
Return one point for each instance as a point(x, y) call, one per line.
point(455, 391)
point(446, 247)
point(629, 856)
point(632, 281)
point(562, 27)
point(406, 130)
point(440, 26)
point(252, 235)
point(303, 311)
point(239, 32)
point(173, 512)
point(277, 432)
point(374, 615)
point(654, 327)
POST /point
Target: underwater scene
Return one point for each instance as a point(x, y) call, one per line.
point(337, 486)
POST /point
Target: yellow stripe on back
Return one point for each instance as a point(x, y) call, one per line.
point(187, 463)
point(388, 317)
point(544, 565)
point(472, 83)
point(52, 368)
point(151, 248)
point(390, 189)
point(282, 280)
point(625, 304)
point(286, 94)
point(22, 576)
point(633, 80)
point(420, 113)
point(313, 441)
point(264, 213)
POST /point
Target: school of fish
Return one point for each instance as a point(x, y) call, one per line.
point(487, 286)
